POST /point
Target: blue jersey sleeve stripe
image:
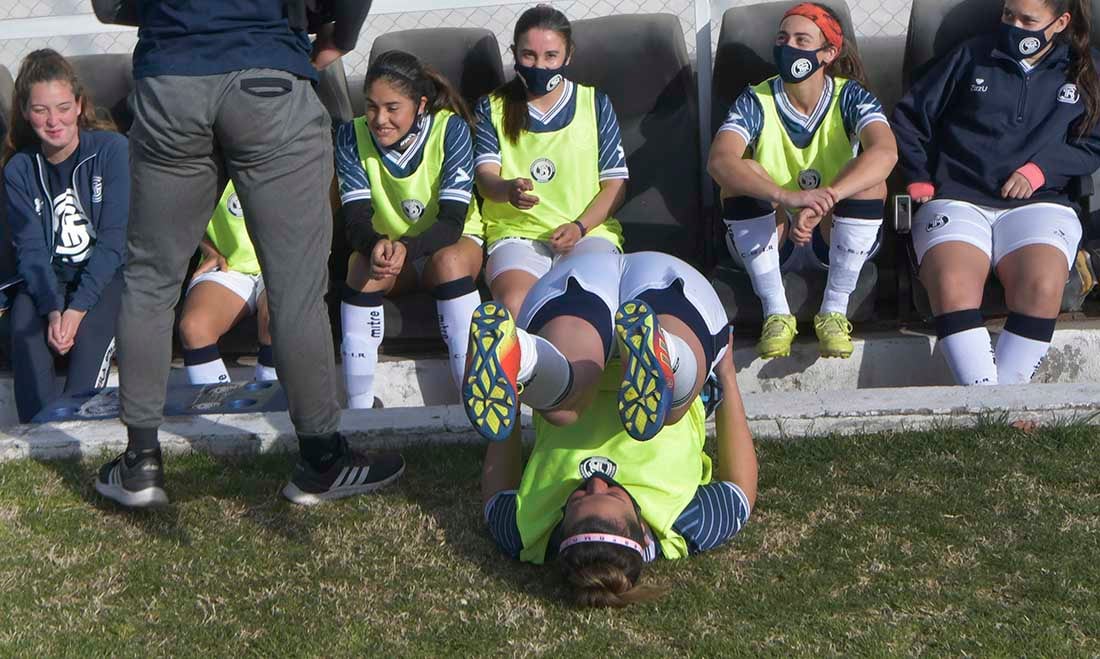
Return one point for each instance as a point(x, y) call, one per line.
point(612, 156)
point(456, 195)
point(716, 514)
point(355, 195)
point(487, 140)
point(349, 169)
point(745, 117)
point(500, 517)
point(458, 157)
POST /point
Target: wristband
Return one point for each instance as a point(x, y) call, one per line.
point(584, 232)
point(1033, 174)
point(921, 189)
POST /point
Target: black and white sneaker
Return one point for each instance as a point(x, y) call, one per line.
point(134, 479)
point(352, 474)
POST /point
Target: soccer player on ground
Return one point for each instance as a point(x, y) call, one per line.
point(226, 288)
point(802, 160)
point(406, 184)
point(989, 140)
point(240, 75)
point(68, 187)
point(592, 495)
point(550, 162)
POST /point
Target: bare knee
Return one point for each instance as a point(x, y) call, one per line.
point(1038, 296)
point(513, 301)
point(953, 290)
point(195, 332)
point(560, 417)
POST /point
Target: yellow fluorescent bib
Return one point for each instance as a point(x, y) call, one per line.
point(563, 165)
point(802, 169)
point(662, 474)
point(230, 236)
point(408, 206)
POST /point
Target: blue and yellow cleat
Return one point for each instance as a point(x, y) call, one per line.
point(489, 391)
point(645, 392)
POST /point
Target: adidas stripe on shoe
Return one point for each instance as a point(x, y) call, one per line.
point(350, 475)
point(133, 479)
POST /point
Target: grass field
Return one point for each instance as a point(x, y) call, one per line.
point(979, 542)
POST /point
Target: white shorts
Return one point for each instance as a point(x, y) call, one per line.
point(247, 287)
point(535, 256)
point(996, 231)
point(616, 279)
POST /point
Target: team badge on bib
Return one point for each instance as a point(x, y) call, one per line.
point(809, 179)
point(543, 170)
point(1030, 46)
point(1068, 93)
point(234, 205)
point(939, 221)
point(801, 68)
point(597, 464)
point(413, 209)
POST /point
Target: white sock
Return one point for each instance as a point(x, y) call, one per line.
point(454, 327)
point(205, 366)
point(969, 353)
point(1022, 346)
point(684, 368)
point(265, 365)
point(850, 246)
point(363, 331)
point(544, 372)
point(757, 242)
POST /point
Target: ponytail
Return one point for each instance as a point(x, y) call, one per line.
point(46, 65)
point(417, 80)
point(513, 93)
point(1082, 70)
point(604, 574)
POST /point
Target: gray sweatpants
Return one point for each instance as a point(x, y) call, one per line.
point(275, 139)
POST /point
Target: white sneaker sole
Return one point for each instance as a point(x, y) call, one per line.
point(150, 497)
point(296, 495)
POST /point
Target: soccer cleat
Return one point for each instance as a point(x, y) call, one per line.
point(776, 337)
point(353, 473)
point(645, 392)
point(490, 393)
point(134, 479)
point(833, 335)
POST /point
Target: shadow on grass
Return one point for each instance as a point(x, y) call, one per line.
point(448, 489)
point(254, 480)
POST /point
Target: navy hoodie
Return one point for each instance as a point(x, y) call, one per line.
point(102, 189)
point(976, 117)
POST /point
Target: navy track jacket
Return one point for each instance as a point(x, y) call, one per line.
point(976, 117)
point(102, 177)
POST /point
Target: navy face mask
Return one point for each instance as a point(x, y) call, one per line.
point(540, 82)
point(1020, 44)
point(795, 64)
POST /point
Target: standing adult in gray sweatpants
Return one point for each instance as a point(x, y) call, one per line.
point(234, 73)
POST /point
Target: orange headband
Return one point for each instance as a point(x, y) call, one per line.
point(821, 18)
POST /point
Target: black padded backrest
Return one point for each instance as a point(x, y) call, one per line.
point(468, 57)
point(744, 53)
point(109, 80)
point(640, 61)
point(332, 89)
point(937, 26)
point(7, 88)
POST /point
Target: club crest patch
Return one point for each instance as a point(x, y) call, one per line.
point(1068, 93)
point(597, 464)
point(543, 170)
point(412, 209)
point(1029, 46)
point(801, 68)
point(809, 179)
point(233, 204)
point(940, 220)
